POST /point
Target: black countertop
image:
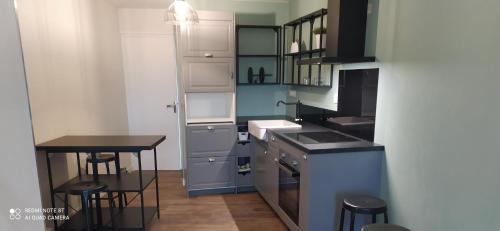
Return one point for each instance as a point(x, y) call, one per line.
point(321, 148)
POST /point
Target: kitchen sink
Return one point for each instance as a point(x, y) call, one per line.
point(258, 128)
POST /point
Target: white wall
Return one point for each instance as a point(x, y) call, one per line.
point(73, 62)
point(438, 112)
point(18, 176)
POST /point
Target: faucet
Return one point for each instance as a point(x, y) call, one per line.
point(297, 109)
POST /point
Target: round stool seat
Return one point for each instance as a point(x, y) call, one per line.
point(102, 158)
point(87, 187)
point(383, 227)
point(365, 204)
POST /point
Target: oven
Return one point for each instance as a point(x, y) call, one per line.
point(289, 187)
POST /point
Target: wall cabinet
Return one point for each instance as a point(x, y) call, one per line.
point(209, 38)
point(208, 74)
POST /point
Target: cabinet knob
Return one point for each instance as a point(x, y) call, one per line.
point(295, 163)
point(265, 152)
point(210, 128)
point(276, 160)
point(304, 156)
point(273, 138)
point(211, 159)
point(283, 155)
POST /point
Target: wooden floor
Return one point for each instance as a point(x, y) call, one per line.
point(228, 212)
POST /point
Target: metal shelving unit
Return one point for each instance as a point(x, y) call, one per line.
point(297, 64)
point(276, 56)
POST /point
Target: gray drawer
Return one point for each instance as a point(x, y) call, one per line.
point(211, 172)
point(210, 140)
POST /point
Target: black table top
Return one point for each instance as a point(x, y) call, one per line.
point(101, 144)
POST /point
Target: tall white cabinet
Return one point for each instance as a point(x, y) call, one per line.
point(207, 66)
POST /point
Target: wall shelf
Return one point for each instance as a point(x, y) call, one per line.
point(258, 47)
point(296, 71)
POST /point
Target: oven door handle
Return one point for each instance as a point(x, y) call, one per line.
point(288, 169)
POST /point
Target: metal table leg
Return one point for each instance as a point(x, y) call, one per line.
point(141, 191)
point(95, 175)
point(51, 185)
point(118, 174)
point(157, 191)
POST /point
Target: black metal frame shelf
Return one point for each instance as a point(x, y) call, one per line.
point(298, 57)
point(123, 183)
point(333, 60)
point(277, 56)
point(307, 52)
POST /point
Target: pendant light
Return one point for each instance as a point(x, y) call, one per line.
point(181, 13)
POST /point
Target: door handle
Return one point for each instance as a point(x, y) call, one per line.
point(174, 106)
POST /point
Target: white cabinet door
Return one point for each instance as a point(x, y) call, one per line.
point(209, 39)
point(208, 74)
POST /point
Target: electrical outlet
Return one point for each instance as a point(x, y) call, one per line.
point(292, 93)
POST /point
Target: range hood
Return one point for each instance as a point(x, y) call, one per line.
point(346, 33)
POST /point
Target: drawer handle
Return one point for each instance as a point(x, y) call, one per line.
point(208, 55)
point(210, 128)
point(211, 159)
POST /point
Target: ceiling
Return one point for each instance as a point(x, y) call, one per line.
point(162, 4)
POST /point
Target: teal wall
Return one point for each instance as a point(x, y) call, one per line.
point(253, 100)
point(438, 113)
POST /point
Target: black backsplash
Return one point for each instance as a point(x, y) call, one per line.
point(320, 115)
point(357, 98)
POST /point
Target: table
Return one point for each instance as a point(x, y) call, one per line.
point(127, 218)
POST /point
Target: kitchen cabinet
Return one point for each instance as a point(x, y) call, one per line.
point(211, 172)
point(266, 174)
point(323, 181)
point(211, 140)
point(210, 38)
point(211, 161)
point(208, 74)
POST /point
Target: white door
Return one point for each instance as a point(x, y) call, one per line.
point(151, 84)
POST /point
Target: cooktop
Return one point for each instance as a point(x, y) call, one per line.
point(319, 137)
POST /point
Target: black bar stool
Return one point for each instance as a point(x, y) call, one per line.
point(104, 158)
point(363, 205)
point(383, 227)
point(85, 190)
point(101, 158)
